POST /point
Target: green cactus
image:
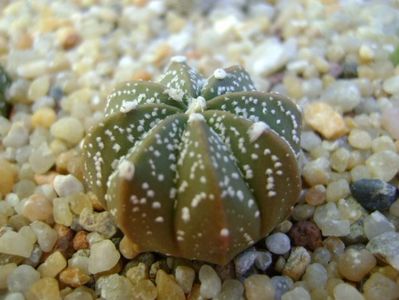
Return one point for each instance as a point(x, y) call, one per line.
point(5, 82)
point(193, 168)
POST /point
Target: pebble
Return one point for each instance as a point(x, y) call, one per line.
point(281, 284)
point(74, 277)
point(383, 165)
point(21, 278)
point(66, 185)
point(5, 270)
point(46, 236)
point(374, 194)
point(383, 143)
point(343, 95)
point(53, 265)
point(61, 212)
point(297, 262)
point(278, 243)
point(80, 259)
point(102, 222)
point(324, 119)
point(114, 287)
point(78, 202)
point(127, 248)
point(386, 248)
point(168, 288)
point(37, 208)
point(302, 212)
point(306, 234)
point(80, 240)
point(244, 261)
point(41, 159)
point(43, 117)
point(394, 209)
point(391, 85)
point(340, 159)
point(359, 139)
point(17, 136)
point(98, 251)
point(38, 87)
point(44, 289)
point(337, 190)
point(68, 129)
point(15, 243)
point(8, 177)
point(232, 289)
point(78, 294)
point(328, 219)
point(309, 140)
point(298, 293)
point(316, 195)
point(355, 264)
point(14, 296)
point(322, 256)
point(258, 287)
point(389, 121)
point(185, 277)
point(378, 285)
point(211, 284)
point(375, 224)
point(344, 291)
point(317, 172)
point(263, 260)
point(315, 276)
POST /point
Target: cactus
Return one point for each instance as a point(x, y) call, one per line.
point(193, 168)
point(5, 82)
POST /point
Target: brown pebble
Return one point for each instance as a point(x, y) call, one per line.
point(142, 75)
point(80, 241)
point(71, 40)
point(74, 277)
point(8, 177)
point(64, 241)
point(47, 178)
point(306, 234)
point(316, 195)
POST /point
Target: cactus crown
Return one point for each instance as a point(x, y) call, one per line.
point(195, 168)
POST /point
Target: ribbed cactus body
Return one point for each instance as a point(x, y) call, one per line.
point(195, 168)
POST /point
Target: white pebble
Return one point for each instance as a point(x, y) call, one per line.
point(298, 293)
point(376, 224)
point(278, 243)
point(99, 251)
point(68, 129)
point(17, 136)
point(211, 284)
point(383, 165)
point(22, 278)
point(14, 243)
point(46, 236)
point(66, 185)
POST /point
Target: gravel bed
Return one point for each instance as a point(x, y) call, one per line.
point(338, 60)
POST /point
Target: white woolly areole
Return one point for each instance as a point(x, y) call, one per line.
point(128, 106)
point(224, 232)
point(126, 170)
point(179, 59)
point(196, 105)
point(195, 117)
point(256, 130)
point(220, 74)
point(175, 94)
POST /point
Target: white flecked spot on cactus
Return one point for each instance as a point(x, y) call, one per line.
point(256, 130)
point(220, 74)
point(195, 117)
point(175, 94)
point(128, 106)
point(224, 232)
point(126, 170)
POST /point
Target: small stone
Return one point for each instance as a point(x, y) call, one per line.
point(74, 277)
point(14, 296)
point(128, 249)
point(309, 140)
point(375, 224)
point(145, 290)
point(322, 256)
point(5, 270)
point(8, 177)
point(359, 139)
point(98, 251)
point(137, 273)
point(391, 85)
point(394, 208)
point(297, 262)
point(383, 143)
point(78, 202)
point(374, 194)
point(46, 236)
point(14, 243)
point(281, 284)
point(185, 277)
point(337, 190)
point(38, 87)
point(258, 287)
point(306, 234)
point(386, 248)
point(79, 294)
point(37, 208)
point(44, 289)
point(343, 95)
point(99, 222)
point(232, 289)
point(340, 159)
point(43, 117)
point(167, 287)
point(335, 246)
point(61, 212)
point(80, 259)
point(244, 261)
point(278, 243)
point(41, 159)
point(389, 121)
point(302, 212)
point(344, 291)
point(316, 195)
point(355, 264)
point(66, 185)
point(383, 165)
point(263, 260)
point(379, 286)
point(298, 293)
point(80, 240)
point(17, 136)
point(210, 282)
point(115, 287)
point(317, 172)
point(53, 265)
point(325, 120)
point(68, 129)
point(21, 278)
point(328, 219)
